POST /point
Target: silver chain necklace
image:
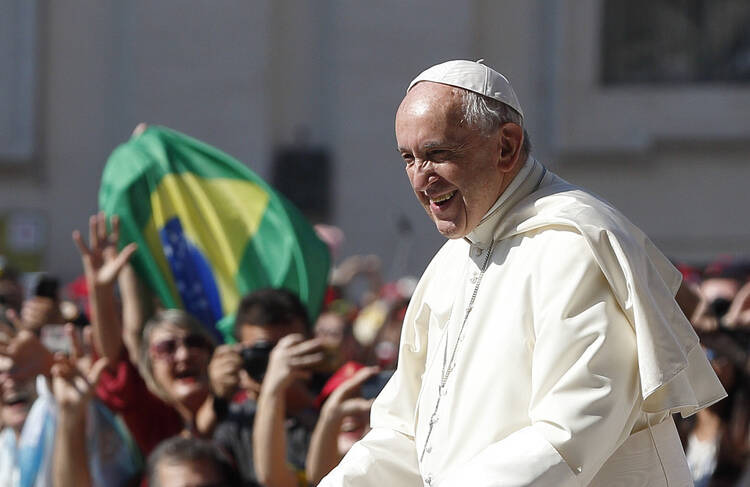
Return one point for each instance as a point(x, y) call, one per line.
point(448, 366)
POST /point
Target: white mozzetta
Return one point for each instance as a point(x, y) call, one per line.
point(566, 370)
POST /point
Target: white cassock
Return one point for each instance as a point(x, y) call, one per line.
point(566, 369)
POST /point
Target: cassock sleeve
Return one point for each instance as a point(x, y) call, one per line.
point(585, 395)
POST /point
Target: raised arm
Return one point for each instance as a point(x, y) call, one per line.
point(133, 313)
point(102, 263)
point(323, 454)
point(290, 360)
point(72, 388)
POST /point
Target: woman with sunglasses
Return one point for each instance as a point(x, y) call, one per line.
point(156, 380)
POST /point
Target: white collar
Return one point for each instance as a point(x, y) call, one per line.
point(523, 184)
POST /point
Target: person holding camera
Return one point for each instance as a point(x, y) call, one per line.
point(262, 396)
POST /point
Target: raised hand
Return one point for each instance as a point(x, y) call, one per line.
point(292, 358)
point(101, 260)
point(345, 400)
point(73, 385)
point(74, 378)
point(102, 263)
point(224, 371)
point(739, 312)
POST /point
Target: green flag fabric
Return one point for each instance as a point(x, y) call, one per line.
point(208, 229)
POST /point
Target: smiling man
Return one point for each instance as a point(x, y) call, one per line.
point(543, 345)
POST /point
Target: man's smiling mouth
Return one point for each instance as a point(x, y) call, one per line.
point(443, 198)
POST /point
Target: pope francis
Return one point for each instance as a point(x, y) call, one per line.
point(543, 345)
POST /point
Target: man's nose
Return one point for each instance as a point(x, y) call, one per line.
point(423, 175)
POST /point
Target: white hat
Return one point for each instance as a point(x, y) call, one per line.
point(472, 76)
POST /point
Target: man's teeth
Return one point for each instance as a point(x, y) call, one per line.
point(444, 197)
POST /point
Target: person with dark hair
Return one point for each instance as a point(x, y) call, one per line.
point(190, 462)
point(264, 378)
point(269, 308)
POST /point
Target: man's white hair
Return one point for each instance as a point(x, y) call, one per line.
point(487, 115)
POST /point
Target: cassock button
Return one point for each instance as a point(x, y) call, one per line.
point(429, 448)
point(428, 480)
point(579, 470)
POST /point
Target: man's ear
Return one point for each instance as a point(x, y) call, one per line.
point(511, 141)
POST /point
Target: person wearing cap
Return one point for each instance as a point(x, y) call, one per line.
point(543, 345)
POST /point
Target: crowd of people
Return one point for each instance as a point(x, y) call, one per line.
point(101, 386)
point(716, 439)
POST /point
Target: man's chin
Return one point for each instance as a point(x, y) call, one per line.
point(449, 229)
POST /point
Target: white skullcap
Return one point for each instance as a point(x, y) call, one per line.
point(473, 76)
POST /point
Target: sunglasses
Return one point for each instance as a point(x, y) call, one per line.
point(167, 348)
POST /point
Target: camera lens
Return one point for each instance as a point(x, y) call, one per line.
point(255, 359)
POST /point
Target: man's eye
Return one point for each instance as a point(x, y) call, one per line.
point(438, 154)
point(408, 158)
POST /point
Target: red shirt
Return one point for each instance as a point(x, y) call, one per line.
point(149, 419)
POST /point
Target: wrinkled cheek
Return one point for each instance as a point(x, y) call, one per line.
point(164, 379)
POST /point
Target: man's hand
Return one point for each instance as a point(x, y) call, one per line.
point(345, 400)
point(74, 378)
point(224, 371)
point(292, 358)
point(101, 260)
point(739, 312)
point(72, 387)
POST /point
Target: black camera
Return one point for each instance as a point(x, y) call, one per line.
point(255, 359)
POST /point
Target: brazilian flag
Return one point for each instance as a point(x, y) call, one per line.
point(208, 229)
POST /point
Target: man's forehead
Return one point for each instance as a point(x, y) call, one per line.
point(428, 93)
point(427, 107)
point(431, 100)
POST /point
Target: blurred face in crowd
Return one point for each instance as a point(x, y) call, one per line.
point(331, 329)
point(197, 473)
point(456, 172)
point(17, 398)
point(179, 360)
point(249, 334)
point(353, 428)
